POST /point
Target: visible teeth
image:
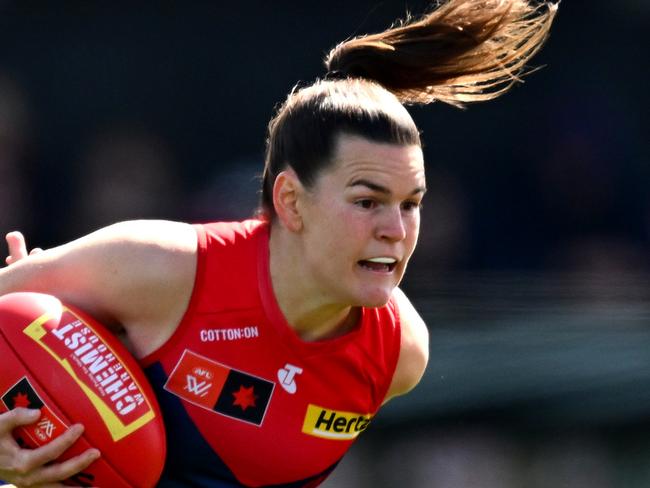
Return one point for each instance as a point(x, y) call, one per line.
point(382, 260)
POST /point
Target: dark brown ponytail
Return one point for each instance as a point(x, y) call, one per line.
point(463, 51)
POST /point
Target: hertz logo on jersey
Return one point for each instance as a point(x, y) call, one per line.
point(332, 424)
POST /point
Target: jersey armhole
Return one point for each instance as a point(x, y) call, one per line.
point(394, 352)
point(199, 277)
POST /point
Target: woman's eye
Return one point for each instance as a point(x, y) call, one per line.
point(408, 206)
point(366, 203)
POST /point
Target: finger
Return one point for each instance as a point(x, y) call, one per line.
point(36, 250)
point(33, 458)
point(48, 475)
point(49, 485)
point(72, 466)
point(17, 246)
point(17, 417)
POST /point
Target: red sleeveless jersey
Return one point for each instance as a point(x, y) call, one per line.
point(246, 401)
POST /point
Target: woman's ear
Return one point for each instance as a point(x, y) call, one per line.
point(287, 190)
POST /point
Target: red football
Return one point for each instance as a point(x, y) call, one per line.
point(60, 360)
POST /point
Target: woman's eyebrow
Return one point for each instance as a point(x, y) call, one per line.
point(372, 186)
point(380, 188)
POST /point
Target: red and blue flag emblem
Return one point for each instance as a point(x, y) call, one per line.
point(225, 390)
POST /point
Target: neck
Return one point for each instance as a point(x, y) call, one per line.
point(304, 305)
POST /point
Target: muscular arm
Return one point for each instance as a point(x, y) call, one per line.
point(414, 350)
point(135, 275)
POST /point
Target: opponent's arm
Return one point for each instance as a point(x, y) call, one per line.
point(414, 349)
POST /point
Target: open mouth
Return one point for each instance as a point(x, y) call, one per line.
point(381, 265)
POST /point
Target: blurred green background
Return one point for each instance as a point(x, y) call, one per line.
point(533, 266)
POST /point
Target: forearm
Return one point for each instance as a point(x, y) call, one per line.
point(132, 272)
point(59, 271)
point(33, 273)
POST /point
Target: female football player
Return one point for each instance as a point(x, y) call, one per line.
point(300, 305)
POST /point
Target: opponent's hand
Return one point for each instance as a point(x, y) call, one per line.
point(33, 467)
point(17, 247)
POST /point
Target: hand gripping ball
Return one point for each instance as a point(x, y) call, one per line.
point(61, 361)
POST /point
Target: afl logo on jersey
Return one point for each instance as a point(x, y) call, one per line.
point(220, 388)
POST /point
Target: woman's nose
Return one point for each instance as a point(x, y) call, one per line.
point(391, 226)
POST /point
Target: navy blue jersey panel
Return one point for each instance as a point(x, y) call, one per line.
point(190, 459)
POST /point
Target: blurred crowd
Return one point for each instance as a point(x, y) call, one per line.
point(486, 457)
point(573, 203)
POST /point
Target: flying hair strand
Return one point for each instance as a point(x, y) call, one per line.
point(461, 52)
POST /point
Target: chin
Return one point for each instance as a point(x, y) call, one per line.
point(378, 298)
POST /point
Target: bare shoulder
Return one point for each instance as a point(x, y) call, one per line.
point(155, 265)
point(133, 254)
point(163, 235)
point(150, 263)
point(414, 350)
